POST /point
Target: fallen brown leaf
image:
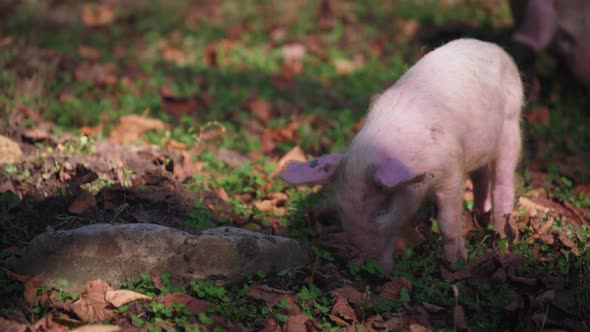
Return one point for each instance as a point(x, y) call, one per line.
point(542, 207)
point(339, 321)
point(30, 284)
point(98, 328)
point(271, 325)
point(131, 127)
point(431, 307)
point(272, 136)
point(406, 27)
point(265, 206)
point(157, 281)
point(83, 200)
point(92, 305)
point(173, 144)
point(37, 135)
point(583, 189)
point(177, 106)
point(28, 112)
point(174, 54)
point(268, 144)
point(351, 294)
point(279, 197)
point(232, 158)
point(10, 151)
point(211, 131)
point(194, 305)
point(47, 323)
point(417, 327)
point(394, 323)
point(287, 133)
point(102, 74)
point(273, 296)
point(222, 194)
point(91, 131)
point(346, 66)
point(295, 154)
point(123, 296)
point(10, 325)
point(98, 15)
point(296, 323)
point(289, 70)
point(261, 109)
point(569, 243)
point(186, 167)
point(89, 53)
point(342, 309)
point(391, 290)
point(532, 207)
point(536, 193)
point(76, 175)
point(272, 204)
point(64, 319)
point(315, 45)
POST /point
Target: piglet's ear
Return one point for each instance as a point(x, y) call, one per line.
point(315, 171)
point(539, 25)
point(391, 173)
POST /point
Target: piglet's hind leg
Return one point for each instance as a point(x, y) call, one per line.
point(503, 187)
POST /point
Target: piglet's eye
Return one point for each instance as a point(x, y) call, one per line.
point(381, 212)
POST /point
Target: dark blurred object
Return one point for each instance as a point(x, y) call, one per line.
point(560, 26)
point(7, 6)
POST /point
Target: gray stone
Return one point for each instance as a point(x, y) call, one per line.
point(113, 252)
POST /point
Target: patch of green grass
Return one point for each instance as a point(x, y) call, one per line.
point(177, 314)
point(142, 284)
point(234, 304)
point(314, 302)
point(201, 217)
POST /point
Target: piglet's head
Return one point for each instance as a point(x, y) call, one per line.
point(367, 203)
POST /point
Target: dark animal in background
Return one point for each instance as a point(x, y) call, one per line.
point(561, 26)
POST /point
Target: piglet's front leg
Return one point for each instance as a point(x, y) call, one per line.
point(449, 200)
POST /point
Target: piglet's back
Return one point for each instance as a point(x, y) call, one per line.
point(454, 101)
